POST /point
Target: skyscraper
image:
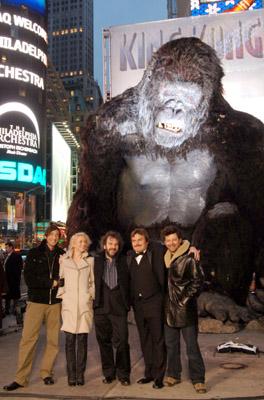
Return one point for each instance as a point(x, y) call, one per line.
point(70, 32)
point(172, 8)
point(178, 8)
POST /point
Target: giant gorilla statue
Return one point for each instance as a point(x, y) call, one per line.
point(172, 149)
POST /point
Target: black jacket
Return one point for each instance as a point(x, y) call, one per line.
point(13, 269)
point(155, 253)
point(120, 298)
point(184, 282)
point(40, 273)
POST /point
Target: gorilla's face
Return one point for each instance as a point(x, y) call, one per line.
point(179, 114)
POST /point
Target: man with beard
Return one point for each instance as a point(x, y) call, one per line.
point(111, 306)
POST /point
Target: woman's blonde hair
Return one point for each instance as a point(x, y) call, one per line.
point(75, 237)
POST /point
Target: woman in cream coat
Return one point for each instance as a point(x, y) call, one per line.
point(77, 293)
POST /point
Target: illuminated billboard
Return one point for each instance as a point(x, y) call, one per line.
point(205, 7)
point(61, 175)
point(23, 63)
point(38, 6)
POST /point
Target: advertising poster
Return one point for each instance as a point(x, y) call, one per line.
point(23, 63)
point(237, 37)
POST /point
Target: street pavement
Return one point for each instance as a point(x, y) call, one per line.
point(228, 376)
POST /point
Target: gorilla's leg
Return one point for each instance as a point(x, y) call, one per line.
point(225, 240)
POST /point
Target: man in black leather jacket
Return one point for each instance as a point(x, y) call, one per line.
point(41, 275)
point(184, 281)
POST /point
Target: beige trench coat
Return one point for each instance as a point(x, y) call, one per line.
point(77, 294)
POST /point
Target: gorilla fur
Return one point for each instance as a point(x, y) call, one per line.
point(172, 150)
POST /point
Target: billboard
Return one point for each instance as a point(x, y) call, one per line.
point(206, 7)
point(23, 63)
point(38, 6)
point(238, 39)
point(61, 176)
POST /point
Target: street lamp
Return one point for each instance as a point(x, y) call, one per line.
point(23, 228)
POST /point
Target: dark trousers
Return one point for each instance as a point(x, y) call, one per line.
point(76, 360)
point(13, 306)
point(150, 325)
point(195, 361)
point(10, 306)
point(112, 332)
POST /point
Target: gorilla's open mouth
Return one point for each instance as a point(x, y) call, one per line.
point(169, 127)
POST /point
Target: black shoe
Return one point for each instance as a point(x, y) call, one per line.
point(80, 383)
point(71, 383)
point(12, 386)
point(108, 379)
point(144, 380)
point(48, 380)
point(158, 384)
point(124, 381)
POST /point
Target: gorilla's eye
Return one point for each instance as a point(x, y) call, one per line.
point(170, 104)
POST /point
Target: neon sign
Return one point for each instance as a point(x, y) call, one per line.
point(22, 172)
point(21, 75)
point(23, 41)
point(15, 139)
point(23, 47)
point(25, 23)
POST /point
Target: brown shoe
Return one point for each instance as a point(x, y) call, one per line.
point(199, 387)
point(169, 381)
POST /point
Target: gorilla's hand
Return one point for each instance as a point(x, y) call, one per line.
point(222, 308)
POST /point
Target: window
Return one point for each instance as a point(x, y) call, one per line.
point(22, 90)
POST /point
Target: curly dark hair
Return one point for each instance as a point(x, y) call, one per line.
point(169, 230)
point(113, 234)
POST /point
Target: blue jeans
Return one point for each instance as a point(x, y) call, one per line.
point(172, 341)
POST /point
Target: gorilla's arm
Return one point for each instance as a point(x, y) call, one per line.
point(94, 208)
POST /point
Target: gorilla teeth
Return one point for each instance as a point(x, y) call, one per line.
point(169, 127)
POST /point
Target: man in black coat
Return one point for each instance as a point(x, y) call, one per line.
point(147, 277)
point(111, 305)
point(41, 276)
point(13, 266)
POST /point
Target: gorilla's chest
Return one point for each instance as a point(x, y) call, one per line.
point(155, 190)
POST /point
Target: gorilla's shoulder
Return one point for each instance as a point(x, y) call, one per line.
point(239, 130)
point(248, 121)
point(119, 105)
